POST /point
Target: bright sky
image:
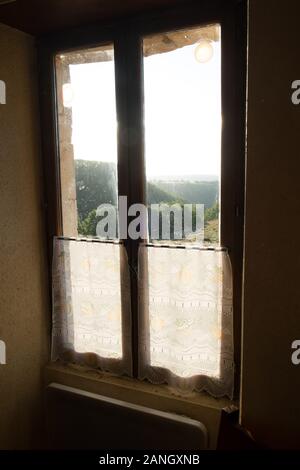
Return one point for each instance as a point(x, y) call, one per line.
point(182, 113)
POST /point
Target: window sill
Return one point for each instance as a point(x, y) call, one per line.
point(197, 405)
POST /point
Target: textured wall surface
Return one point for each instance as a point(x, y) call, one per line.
point(24, 317)
point(271, 318)
point(270, 383)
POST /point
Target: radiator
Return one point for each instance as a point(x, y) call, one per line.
point(77, 419)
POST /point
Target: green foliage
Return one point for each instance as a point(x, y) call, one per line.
point(156, 195)
point(199, 192)
point(88, 226)
point(212, 213)
point(96, 184)
point(211, 232)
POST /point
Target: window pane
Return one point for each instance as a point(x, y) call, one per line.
point(185, 320)
point(87, 138)
point(182, 72)
point(91, 304)
point(91, 311)
point(185, 309)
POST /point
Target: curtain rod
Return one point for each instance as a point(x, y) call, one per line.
point(187, 247)
point(146, 245)
point(91, 240)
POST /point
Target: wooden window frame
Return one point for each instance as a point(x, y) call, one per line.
point(126, 35)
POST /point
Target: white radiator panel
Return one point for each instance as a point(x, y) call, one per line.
point(77, 419)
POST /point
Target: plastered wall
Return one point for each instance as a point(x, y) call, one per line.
point(271, 318)
point(270, 383)
point(24, 317)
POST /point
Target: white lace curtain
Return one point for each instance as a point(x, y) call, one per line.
point(91, 305)
point(185, 319)
point(185, 313)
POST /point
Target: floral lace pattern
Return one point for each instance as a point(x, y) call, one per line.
point(186, 327)
point(185, 313)
point(90, 292)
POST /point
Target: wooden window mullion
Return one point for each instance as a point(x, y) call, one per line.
point(131, 171)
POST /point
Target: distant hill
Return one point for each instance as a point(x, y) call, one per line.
point(200, 192)
point(96, 184)
point(156, 195)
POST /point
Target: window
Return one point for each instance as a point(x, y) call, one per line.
point(183, 124)
point(87, 136)
point(146, 201)
point(91, 318)
point(183, 307)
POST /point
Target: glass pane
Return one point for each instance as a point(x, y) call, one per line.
point(185, 319)
point(91, 308)
point(87, 304)
point(182, 72)
point(87, 140)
